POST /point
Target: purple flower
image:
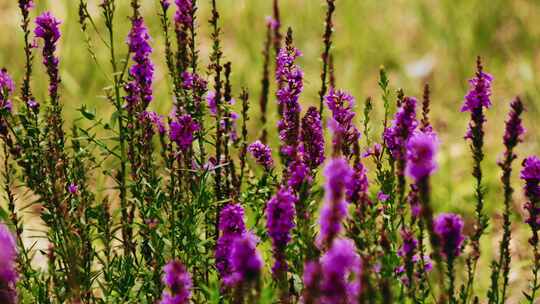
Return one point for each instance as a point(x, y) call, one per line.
point(7, 86)
point(341, 104)
point(211, 101)
point(312, 139)
point(26, 5)
point(312, 282)
point(231, 219)
point(183, 13)
point(514, 127)
point(383, 197)
point(403, 126)
point(280, 212)
point(231, 226)
point(182, 131)
point(410, 243)
point(421, 153)
point(139, 88)
point(530, 174)
point(341, 269)
point(338, 175)
point(262, 154)
point(290, 83)
point(165, 4)
point(479, 94)
point(298, 174)
point(195, 82)
point(476, 100)
point(47, 29)
point(449, 229)
point(246, 260)
point(157, 121)
point(73, 188)
point(357, 189)
point(178, 280)
point(8, 272)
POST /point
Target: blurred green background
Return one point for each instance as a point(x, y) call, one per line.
point(418, 41)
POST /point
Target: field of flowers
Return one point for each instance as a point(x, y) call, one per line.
point(215, 151)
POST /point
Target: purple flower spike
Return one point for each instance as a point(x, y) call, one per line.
point(231, 226)
point(421, 153)
point(341, 104)
point(357, 190)
point(290, 83)
point(246, 260)
point(139, 89)
point(48, 30)
point(26, 5)
point(514, 126)
point(262, 154)
point(480, 93)
point(178, 281)
point(7, 86)
point(280, 212)
point(338, 176)
point(312, 139)
point(476, 100)
point(410, 243)
point(530, 174)
point(8, 272)
point(449, 229)
point(341, 271)
point(299, 173)
point(182, 131)
point(403, 126)
point(183, 13)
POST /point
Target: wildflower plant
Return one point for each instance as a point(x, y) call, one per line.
point(195, 207)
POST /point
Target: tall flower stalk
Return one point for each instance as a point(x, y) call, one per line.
point(476, 102)
point(513, 135)
point(530, 174)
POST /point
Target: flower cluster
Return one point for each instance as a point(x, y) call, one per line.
point(47, 28)
point(476, 100)
point(290, 83)
point(338, 176)
point(246, 260)
point(342, 106)
point(178, 281)
point(530, 174)
point(262, 154)
point(183, 16)
point(421, 152)
point(139, 89)
point(514, 129)
point(312, 139)
point(8, 272)
point(7, 86)
point(182, 131)
point(336, 278)
point(403, 126)
point(357, 189)
point(449, 230)
point(228, 122)
point(231, 226)
point(280, 212)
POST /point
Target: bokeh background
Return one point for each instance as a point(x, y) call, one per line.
point(417, 41)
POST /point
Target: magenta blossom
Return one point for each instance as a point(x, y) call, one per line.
point(421, 152)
